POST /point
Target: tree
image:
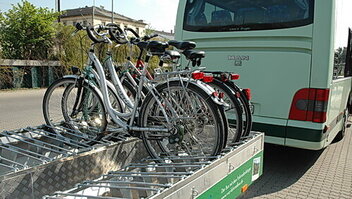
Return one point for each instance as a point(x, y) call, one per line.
point(339, 61)
point(27, 32)
point(340, 55)
point(71, 49)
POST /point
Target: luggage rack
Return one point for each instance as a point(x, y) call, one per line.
point(33, 146)
point(152, 178)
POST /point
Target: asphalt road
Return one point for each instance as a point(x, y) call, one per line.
point(21, 108)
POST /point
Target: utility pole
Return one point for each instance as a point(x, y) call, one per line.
point(58, 9)
point(112, 11)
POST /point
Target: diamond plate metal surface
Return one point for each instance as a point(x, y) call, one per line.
point(65, 173)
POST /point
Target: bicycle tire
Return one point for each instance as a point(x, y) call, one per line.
point(233, 113)
point(245, 103)
point(68, 84)
point(156, 148)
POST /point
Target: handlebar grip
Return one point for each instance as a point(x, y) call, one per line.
point(79, 26)
point(91, 35)
point(148, 37)
point(133, 32)
point(154, 35)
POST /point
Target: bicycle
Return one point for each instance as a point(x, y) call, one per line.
point(168, 129)
point(235, 110)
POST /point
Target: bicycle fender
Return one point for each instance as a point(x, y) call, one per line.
point(71, 76)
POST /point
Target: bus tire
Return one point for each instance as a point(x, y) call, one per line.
point(349, 103)
point(342, 133)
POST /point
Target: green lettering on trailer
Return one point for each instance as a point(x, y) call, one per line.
point(231, 186)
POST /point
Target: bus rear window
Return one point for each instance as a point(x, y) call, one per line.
point(246, 15)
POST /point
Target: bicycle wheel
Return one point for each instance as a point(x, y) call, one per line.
point(88, 117)
point(245, 104)
point(196, 129)
point(233, 111)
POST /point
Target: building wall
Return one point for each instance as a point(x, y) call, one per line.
point(87, 19)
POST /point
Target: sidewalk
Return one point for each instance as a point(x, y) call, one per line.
point(297, 173)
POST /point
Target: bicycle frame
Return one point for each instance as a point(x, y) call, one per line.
point(115, 115)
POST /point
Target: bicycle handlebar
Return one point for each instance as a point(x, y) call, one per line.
point(117, 34)
point(133, 32)
point(148, 37)
point(145, 38)
point(92, 32)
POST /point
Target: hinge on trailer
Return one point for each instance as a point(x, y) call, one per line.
point(231, 167)
point(194, 193)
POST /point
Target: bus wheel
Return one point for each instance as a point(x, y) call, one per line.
point(342, 133)
point(349, 103)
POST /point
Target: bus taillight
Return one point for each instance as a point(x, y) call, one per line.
point(310, 104)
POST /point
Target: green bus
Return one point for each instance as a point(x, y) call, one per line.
point(286, 52)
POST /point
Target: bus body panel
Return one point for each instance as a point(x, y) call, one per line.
point(277, 63)
point(340, 90)
point(259, 59)
point(323, 39)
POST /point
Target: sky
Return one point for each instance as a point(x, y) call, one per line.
point(161, 14)
point(344, 20)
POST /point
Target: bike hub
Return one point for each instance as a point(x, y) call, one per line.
point(178, 136)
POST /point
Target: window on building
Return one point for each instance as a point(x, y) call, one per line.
point(74, 23)
point(137, 31)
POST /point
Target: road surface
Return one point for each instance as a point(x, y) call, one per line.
point(21, 108)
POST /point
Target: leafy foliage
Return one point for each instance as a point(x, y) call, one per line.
point(27, 32)
point(71, 50)
point(339, 61)
point(340, 55)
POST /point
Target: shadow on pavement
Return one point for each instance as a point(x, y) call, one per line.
point(283, 166)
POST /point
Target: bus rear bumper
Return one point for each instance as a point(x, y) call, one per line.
point(295, 143)
point(305, 144)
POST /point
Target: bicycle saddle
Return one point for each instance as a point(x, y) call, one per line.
point(157, 46)
point(173, 54)
point(153, 46)
point(183, 45)
point(193, 54)
point(142, 44)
